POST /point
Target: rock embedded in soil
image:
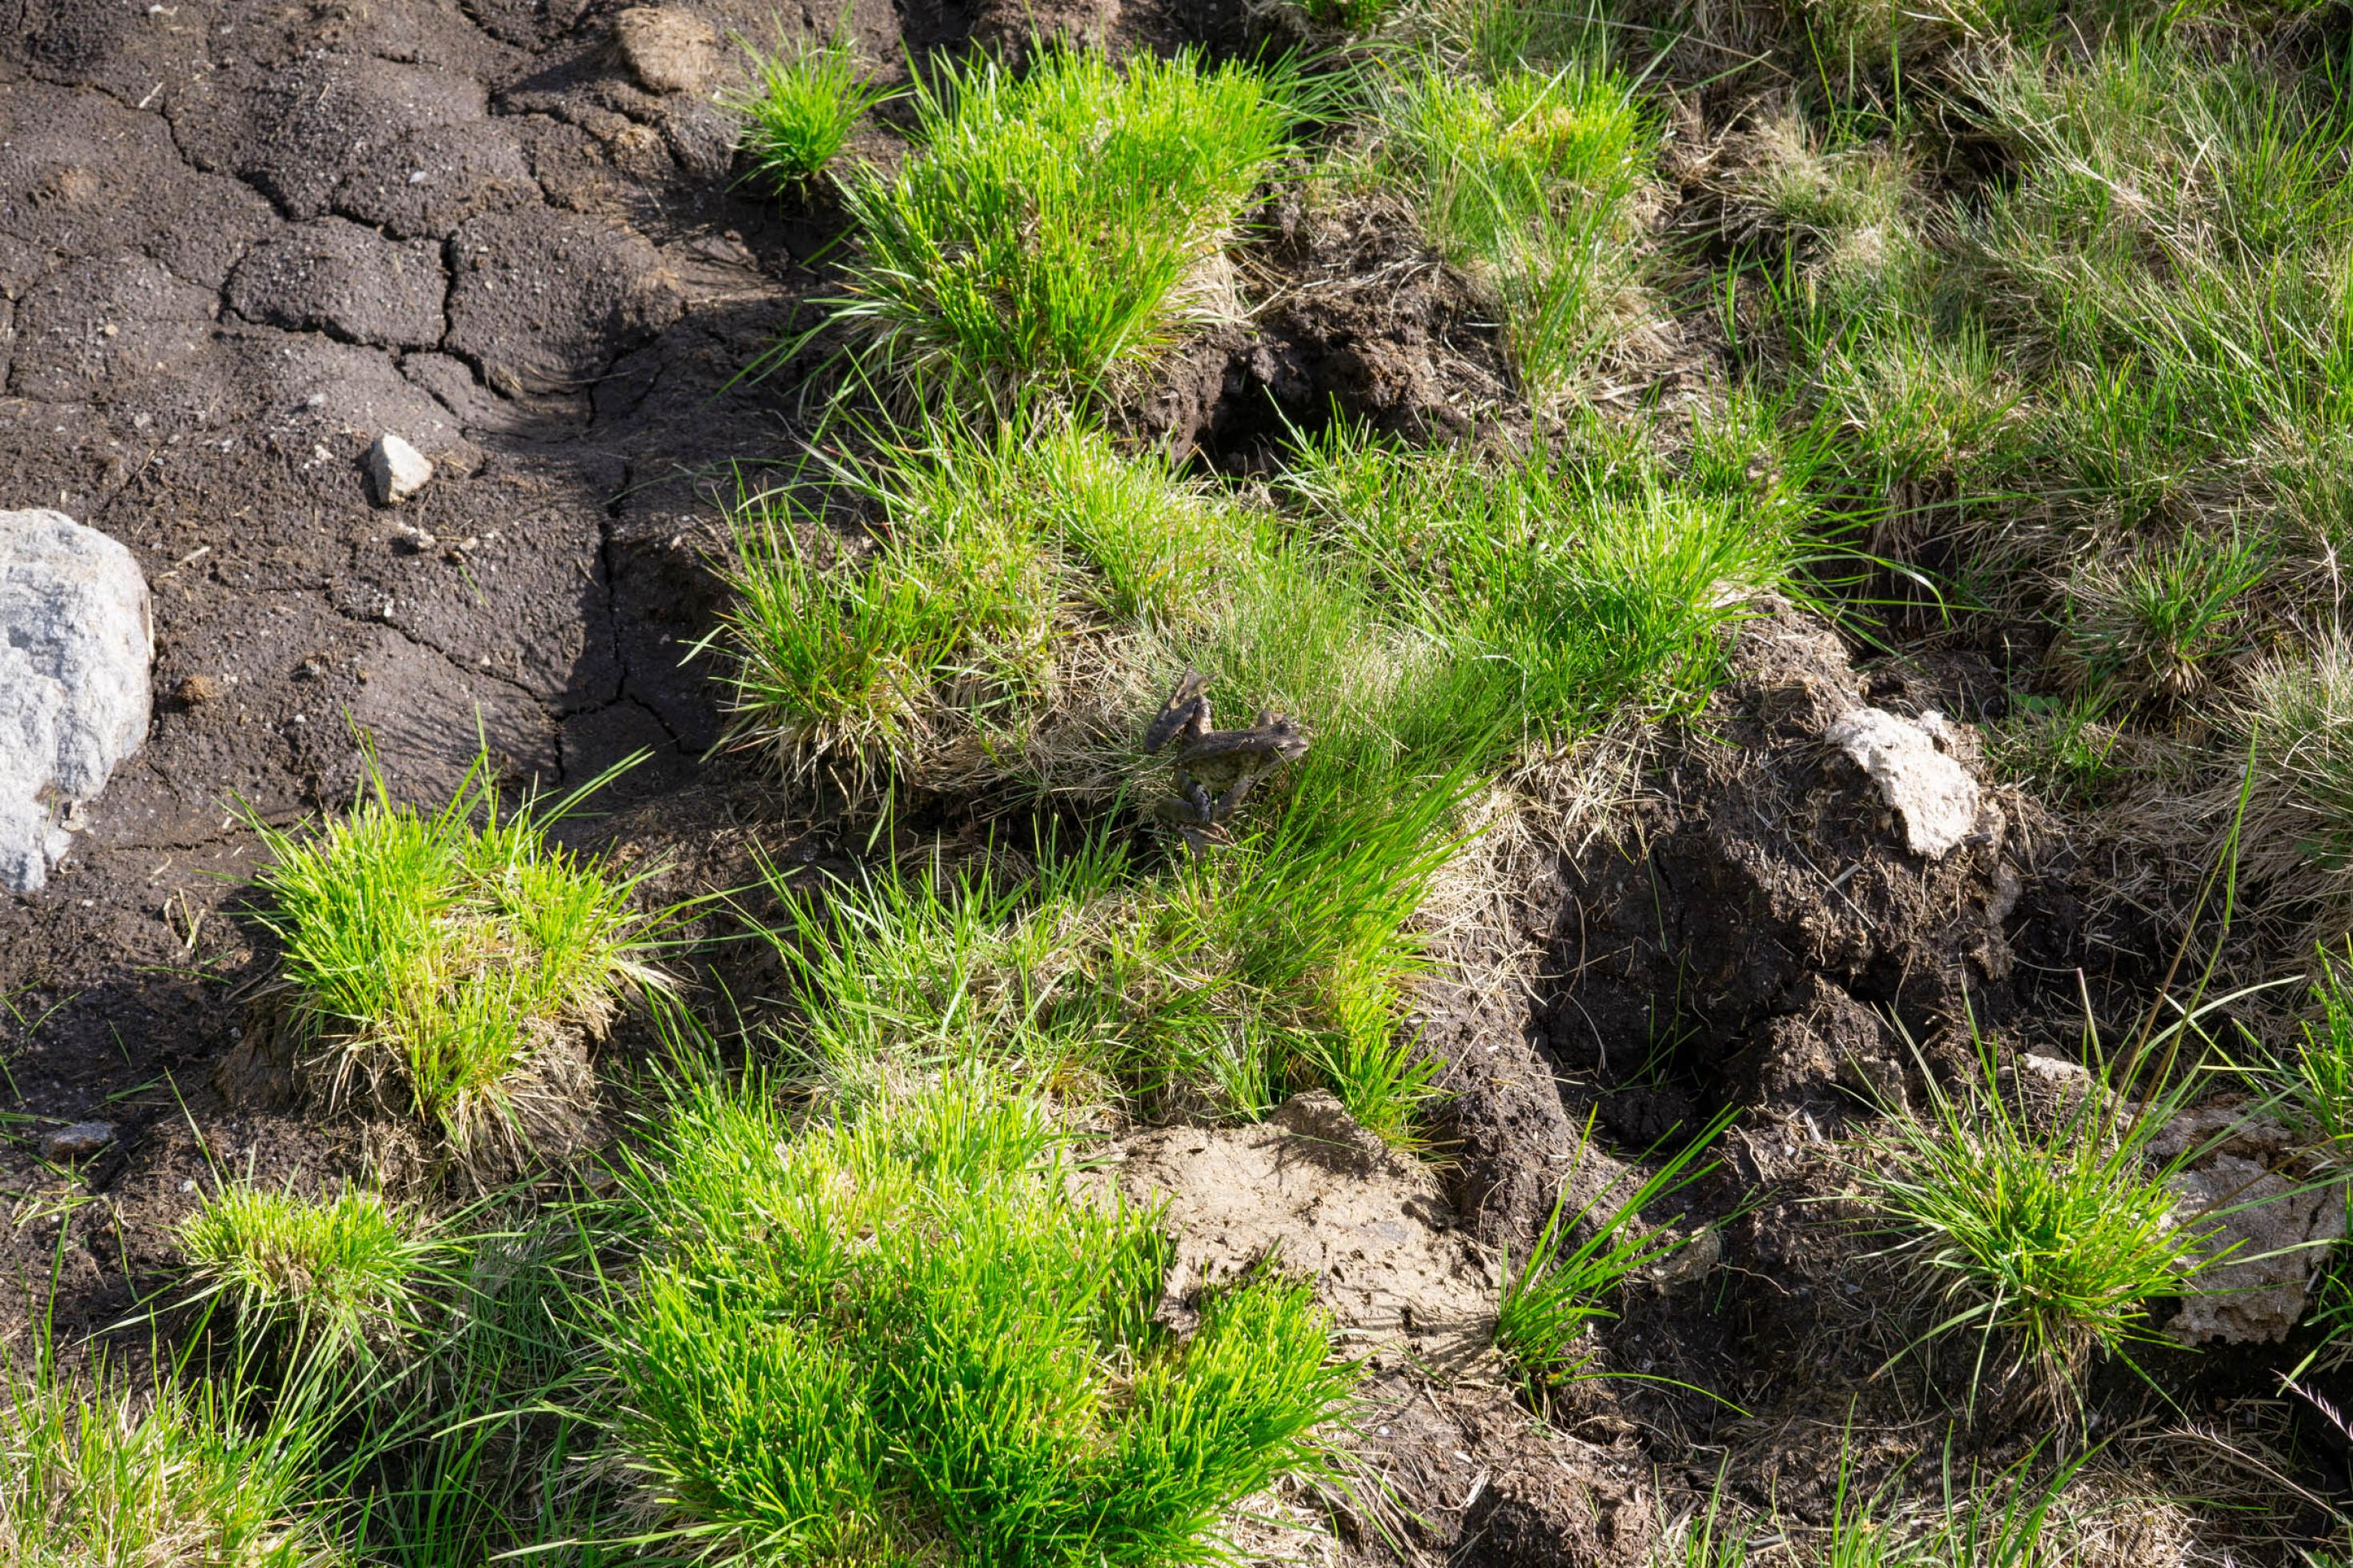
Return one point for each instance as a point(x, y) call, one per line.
point(397, 470)
point(667, 48)
point(75, 640)
point(2271, 1233)
point(1931, 792)
point(1310, 1187)
point(79, 1141)
point(2273, 1227)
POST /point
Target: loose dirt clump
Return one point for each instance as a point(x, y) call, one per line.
point(1466, 1473)
point(1774, 916)
point(1359, 323)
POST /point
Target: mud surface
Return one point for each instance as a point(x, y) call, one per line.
point(237, 243)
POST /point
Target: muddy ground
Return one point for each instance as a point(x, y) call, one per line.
point(240, 238)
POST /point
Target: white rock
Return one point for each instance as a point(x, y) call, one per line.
point(75, 639)
point(1932, 793)
point(397, 469)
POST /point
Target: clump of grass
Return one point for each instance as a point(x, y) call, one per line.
point(883, 1337)
point(1559, 1290)
point(2049, 396)
point(1530, 179)
point(1221, 984)
point(2069, 750)
point(2161, 622)
point(1849, 204)
point(343, 1273)
point(1588, 588)
point(2293, 725)
point(451, 962)
point(2321, 1089)
point(800, 107)
point(977, 617)
point(1426, 615)
point(1053, 231)
point(1335, 15)
point(108, 1475)
point(2045, 1240)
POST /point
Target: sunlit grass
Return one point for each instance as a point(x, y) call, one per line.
point(1051, 231)
point(877, 1337)
point(451, 961)
point(800, 109)
point(343, 1273)
point(1530, 179)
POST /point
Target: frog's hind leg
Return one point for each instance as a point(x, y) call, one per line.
point(1185, 713)
point(1220, 811)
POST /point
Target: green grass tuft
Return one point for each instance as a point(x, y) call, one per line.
point(109, 1475)
point(1559, 1290)
point(1223, 983)
point(800, 109)
point(451, 962)
point(1055, 227)
point(2165, 622)
point(900, 1333)
point(934, 657)
point(345, 1273)
point(1530, 179)
point(2320, 1089)
point(1583, 587)
point(2042, 1238)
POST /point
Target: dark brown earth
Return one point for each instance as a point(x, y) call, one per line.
point(239, 240)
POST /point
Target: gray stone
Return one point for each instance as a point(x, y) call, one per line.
point(2267, 1234)
point(75, 639)
point(397, 469)
point(79, 1141)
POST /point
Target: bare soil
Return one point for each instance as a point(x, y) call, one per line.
point(240, 239)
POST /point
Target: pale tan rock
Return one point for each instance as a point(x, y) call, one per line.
point(668, 49)
point(2273, 1232)
point(1311, 1188)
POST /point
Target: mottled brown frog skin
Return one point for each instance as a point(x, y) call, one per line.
point(1214, 768)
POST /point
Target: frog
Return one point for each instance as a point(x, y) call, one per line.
point(1214, 769)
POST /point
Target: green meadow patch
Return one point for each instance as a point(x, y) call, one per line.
point(451, 962)
point(1057, 225)
point(905, 1331)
